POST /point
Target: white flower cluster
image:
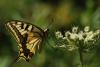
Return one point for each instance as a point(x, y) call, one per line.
point(76, 35)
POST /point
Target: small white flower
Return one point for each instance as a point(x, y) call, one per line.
point(64, 38)
point(81, 35)
point(58, 34)
point(61, 46)
point(73, 36)
point(72, 47)
point(87, 28)
point(89, 36)
point(97, 32)
point(88, 33)
point(67, 33)
point(74, 29)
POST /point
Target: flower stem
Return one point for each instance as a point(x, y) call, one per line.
point(81, 57)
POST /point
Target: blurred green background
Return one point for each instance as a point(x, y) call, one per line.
point(62, 15)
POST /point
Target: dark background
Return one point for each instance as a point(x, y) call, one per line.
point(61, 15)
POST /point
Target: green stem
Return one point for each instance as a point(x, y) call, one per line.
point(81, 57)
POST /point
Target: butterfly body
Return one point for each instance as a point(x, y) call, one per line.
point(28, 36)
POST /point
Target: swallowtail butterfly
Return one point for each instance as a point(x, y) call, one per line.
point(28, 36)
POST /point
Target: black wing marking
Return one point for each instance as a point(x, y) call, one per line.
point(28, 36)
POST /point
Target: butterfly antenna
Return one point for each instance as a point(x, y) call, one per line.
point(49, 24)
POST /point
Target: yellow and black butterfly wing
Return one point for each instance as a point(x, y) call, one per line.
point(28, 36)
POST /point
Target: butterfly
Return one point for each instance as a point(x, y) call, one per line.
point(28, 36)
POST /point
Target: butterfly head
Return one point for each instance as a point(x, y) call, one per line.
point(46, 31)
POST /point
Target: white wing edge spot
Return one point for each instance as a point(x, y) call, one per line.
point(13, 31)
point(30, 27)
point(19, 23)
point(24, 26)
